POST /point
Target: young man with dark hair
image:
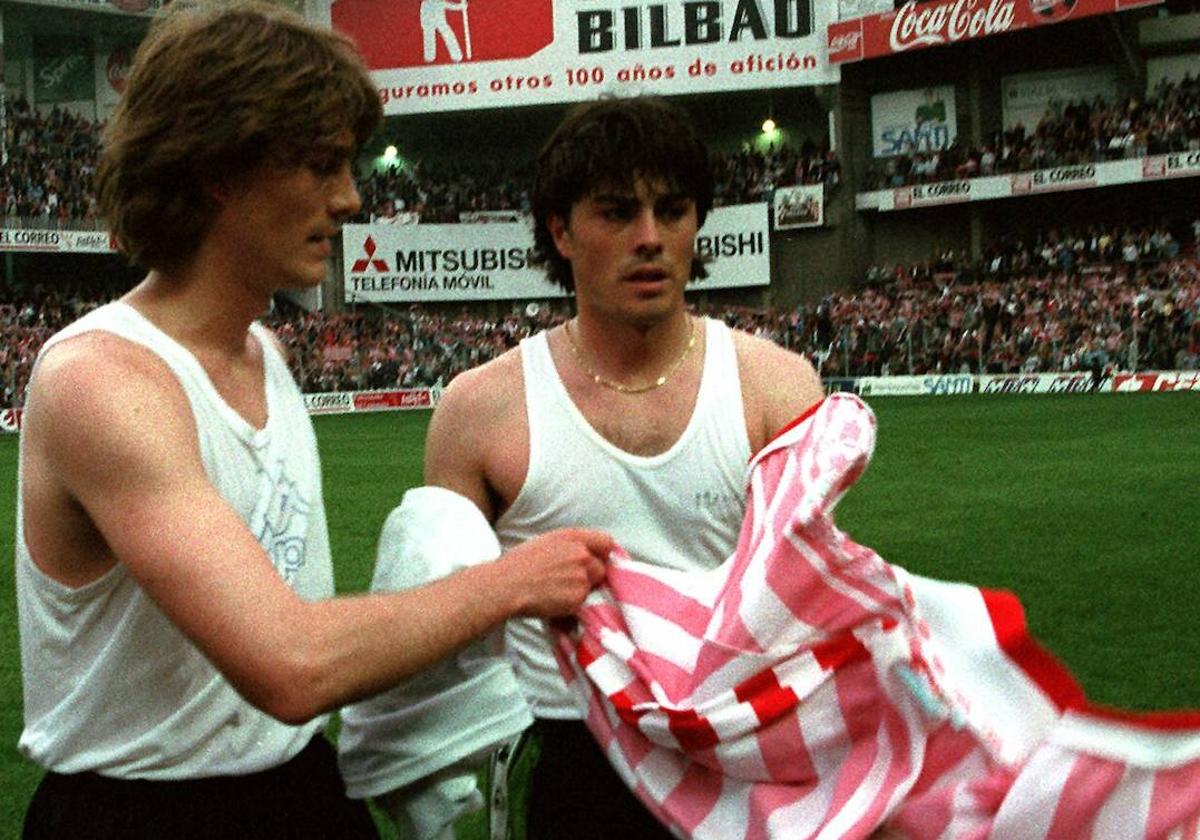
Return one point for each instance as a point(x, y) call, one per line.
point(179, 639)
point(634, 417)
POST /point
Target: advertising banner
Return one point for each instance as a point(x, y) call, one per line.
point(56, 241)
point(62, 70)
point(451, 55)
point(112, 71)
point(1039, 383)
point(858, 8)
point(138, 7)
point(799, 207)
point(1056, 179)
point(349, 402)
point(918, 120)
point(442, 262)
point(1027, 97)
point(916, 26)
point(1156, 382)
point(946, 384)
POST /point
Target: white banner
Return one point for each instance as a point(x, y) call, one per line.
point(799, 207)
point(476, 217)
point(492, 261)
point(917, 120)
point(56, 241)
point(1028, 96)
point(1057, 179)
point(449, 55)
point(848, 9)
point(913, 386)
point(1039, 383)
point(138, 7)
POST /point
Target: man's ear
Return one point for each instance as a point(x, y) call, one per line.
point(561, 235)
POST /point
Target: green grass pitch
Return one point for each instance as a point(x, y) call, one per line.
point(1084, 505)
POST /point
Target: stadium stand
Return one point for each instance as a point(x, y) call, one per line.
point(1077, 132)
point(52, 158)
point(47, 181)
point(1021, 311)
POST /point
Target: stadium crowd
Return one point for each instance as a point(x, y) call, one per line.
point(47, 177)
point(436, 193)
point(1077, 132)
point(52, 157)
point(1020, 308)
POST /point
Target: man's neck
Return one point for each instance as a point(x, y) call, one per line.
point(203, 312)
point(622, 347)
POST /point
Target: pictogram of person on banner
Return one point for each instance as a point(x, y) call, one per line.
point(435, 23)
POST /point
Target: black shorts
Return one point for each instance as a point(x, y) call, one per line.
point(575, 794)
point(303, 799)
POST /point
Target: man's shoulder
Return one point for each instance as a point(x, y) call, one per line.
point(489, 389)
point(85, 371)
point(778, 385)
point(758, 350)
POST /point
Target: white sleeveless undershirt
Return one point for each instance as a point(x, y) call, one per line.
point(681, 508)
point(110, 684)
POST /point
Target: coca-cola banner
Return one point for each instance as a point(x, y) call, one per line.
point(453, 55)
point(918, 120)
point(918, 25)
point(112, 71)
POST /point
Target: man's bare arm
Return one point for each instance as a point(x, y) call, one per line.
point(115, 430)
point(476, 439)
point(777, 386)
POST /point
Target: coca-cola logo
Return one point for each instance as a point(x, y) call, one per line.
point(930, 24)
point(845, 42)
point(117, 69)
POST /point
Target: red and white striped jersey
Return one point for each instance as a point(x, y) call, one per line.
point(809, 689)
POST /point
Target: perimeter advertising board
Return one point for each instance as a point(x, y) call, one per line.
point(1056, 179)
point(449, 55)
point(56, 241)
point(915, 25)
point(449, 262)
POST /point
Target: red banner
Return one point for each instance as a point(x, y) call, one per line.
point(1150, 382)
point(408, 33)
point(383, 400)
point(918, 25)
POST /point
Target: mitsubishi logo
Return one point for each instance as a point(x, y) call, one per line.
point(377, 264)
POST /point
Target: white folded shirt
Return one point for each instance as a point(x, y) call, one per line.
point(417, 747)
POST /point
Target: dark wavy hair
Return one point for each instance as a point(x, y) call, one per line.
point(217, 89)
point(612, 143)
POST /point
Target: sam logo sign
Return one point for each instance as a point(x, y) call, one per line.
point(423, 33)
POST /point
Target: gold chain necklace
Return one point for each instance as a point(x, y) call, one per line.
point(631, 389)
